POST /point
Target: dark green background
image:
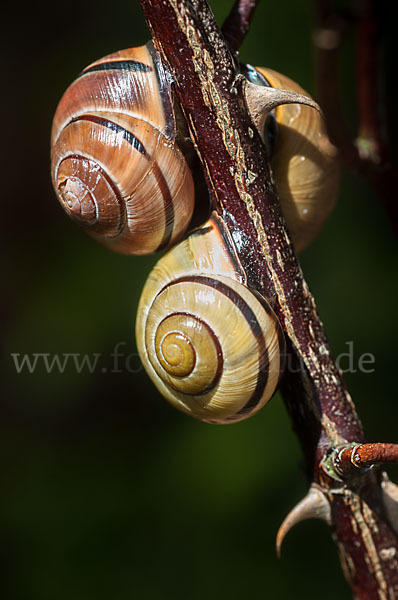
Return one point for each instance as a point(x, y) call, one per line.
point(105, 493)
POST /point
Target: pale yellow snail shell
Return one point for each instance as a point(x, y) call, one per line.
point(304, 162)
point(116, 167)
point(213, 348)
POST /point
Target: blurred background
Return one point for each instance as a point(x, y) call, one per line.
point(106, 490)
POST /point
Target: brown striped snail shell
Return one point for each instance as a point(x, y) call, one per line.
point(214, 348)
point(304, 162)
point(116, 168)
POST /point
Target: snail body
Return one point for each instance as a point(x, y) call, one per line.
point(116, 167)
point(304, 162)
point(213, 347)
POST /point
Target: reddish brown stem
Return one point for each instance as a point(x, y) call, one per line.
point(365, 151)
point(211, 93)
point(364, 456)
point(237, 24)
point(328, 37)
point(371, 142)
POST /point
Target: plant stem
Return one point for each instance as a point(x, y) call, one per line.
point(211, 93)
point(237, 24)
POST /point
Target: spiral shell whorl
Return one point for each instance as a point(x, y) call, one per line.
point(116, 168)
point(212, 347)
point(81, 182)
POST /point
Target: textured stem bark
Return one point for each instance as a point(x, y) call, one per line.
point(211, 92)
point(363, 456)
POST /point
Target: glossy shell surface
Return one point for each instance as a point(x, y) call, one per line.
point(213, 348)
point(116, 168)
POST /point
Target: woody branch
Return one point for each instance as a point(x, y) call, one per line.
point(365, 151)
point(211, 92)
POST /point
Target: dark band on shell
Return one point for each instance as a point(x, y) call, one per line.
point(118, 114)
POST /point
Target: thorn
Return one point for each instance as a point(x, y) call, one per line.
point(390, 501)
point(261, 100)
point(313, 506)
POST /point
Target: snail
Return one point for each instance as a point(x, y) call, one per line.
point(213, 347)
point(116, 167)
point(119, 172)
point(303, 160)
